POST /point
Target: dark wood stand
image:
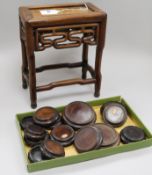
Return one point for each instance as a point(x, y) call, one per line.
point(73, 26)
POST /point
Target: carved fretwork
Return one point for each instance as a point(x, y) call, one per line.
point(66, 36)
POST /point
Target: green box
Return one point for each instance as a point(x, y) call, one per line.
point(91, 154)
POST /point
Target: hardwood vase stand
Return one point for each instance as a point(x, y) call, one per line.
point(72, 25)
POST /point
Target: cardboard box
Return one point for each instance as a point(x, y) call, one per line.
point(72, 156)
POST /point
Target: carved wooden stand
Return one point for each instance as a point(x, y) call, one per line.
point(38, 32)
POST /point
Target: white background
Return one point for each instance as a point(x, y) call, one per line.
point(126, 69)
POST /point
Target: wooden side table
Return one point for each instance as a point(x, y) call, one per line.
point(61, 26)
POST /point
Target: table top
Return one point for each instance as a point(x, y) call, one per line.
point(50, 15)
